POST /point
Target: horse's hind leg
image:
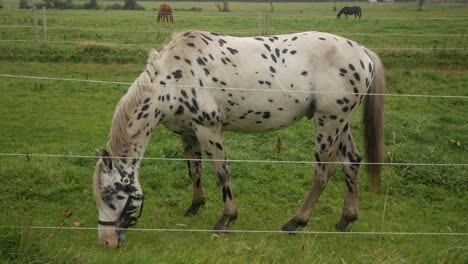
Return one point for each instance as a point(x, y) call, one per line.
point(328, 134)
point(211, 142)
point(349, 156)
point(193, 155)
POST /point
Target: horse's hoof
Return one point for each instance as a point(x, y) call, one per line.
point(342, 225)
point(194, 208)
point(291, 226)
point(222, 226)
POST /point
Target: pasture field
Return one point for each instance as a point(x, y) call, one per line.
point(73, 118)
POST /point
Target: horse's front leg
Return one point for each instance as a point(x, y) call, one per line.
point(211, 142)
point(193, 155)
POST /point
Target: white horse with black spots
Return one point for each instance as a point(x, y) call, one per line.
point(205, 83)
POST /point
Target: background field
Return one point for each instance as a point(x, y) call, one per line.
point(424, 53)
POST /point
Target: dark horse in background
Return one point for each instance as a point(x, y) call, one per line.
point(353, 10)
point(165, 14)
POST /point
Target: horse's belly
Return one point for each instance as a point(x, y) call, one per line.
point(263, 117)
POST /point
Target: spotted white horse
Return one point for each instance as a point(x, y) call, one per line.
point(205, 83)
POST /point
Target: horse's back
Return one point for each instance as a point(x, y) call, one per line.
point(273, 81)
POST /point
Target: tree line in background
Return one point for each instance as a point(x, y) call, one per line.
point(221, 5)
point(68, 4)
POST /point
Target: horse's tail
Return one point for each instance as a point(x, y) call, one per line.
point(373, 122)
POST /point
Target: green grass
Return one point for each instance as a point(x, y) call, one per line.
point(73, 118)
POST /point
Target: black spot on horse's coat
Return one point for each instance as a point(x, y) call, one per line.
point(370, 67)
point(322, 38)
point(140, 115)
point(266, 115)
point(333, 117)
point(207, 72)
point(362, 64)
point(267, 47)
point(219, 146)
point(356, 91)
point(180, 110)
point(264, 56)
point(223, 60)
point(277, 51)
point(145, 107)
point(356, 75)
point(176, 57)
point(345, 100)
point(294, 38)
point(177, 74)
point(146, 100)
point(259, 39)
point(352, 67)
point(184, 94)
point(188, 61)
point(272, 69)
point(162, 83)
point(343, 70)
point(200, 61)
point(351, 82)
point(273, 57)
point(345, 109)
point(323, 147)
point(293, 52)
point(190, 44)
point(200, 82)
point(349, 43)
point(304, 73)
point(232, 51)
point(214, 79)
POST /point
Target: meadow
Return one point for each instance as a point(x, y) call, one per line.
point(425, 53)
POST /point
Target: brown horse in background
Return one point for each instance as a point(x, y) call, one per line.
point(165, 14)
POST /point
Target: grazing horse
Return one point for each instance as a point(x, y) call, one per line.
point(205, 83)
point(165, 14)
point(353, 10)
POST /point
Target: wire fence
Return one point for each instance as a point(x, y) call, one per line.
point(239, 231)
point(229, 88)
point(28, 155)
point(253, 15)
point(129, 30)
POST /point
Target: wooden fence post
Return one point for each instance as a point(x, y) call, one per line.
point(36, 30)
point(259, 30)
point(44, 23)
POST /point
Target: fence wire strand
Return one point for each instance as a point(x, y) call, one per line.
point(29, 155)
point(240, 231)
point(228, 88)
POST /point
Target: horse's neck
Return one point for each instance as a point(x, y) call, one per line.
point(135, 120)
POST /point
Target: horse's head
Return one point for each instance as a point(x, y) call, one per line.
point(118, 197)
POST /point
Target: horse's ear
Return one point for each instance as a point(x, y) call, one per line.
point(104, 155)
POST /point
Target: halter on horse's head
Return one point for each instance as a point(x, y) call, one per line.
point(118, 197)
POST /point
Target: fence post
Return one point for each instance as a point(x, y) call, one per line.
point(44, 23)
point(260, 18)
point(36, 30)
